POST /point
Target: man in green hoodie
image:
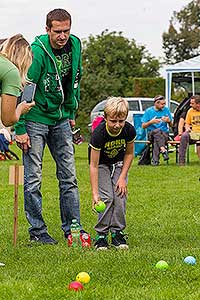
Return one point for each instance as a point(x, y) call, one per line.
point(56, 70)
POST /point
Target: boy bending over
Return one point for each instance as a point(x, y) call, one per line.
point(111, 155)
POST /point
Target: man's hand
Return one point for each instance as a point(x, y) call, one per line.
point(166, 119)
point(155, 121)
point(23, 142)
point(72, 123)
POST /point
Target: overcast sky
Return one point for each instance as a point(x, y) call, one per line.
point(142, 20)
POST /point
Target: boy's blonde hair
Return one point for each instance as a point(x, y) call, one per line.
point(116, 106)
point(18, 51)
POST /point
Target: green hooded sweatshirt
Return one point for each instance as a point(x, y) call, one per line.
point(51, 106)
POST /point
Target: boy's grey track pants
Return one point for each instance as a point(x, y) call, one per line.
point(113, 218)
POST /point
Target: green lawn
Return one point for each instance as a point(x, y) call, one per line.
point(163, 222)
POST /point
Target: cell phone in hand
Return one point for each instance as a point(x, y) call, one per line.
point(29, 92)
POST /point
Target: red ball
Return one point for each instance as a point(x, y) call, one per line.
point(75, 285)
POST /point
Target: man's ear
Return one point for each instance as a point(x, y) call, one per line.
point(48, 29)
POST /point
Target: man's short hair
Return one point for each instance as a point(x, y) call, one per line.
point(57, 14)
point(116, 106)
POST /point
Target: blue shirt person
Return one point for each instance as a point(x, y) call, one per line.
point(152, 113)
point(157, 120)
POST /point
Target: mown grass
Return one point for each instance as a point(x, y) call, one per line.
point(163, 222)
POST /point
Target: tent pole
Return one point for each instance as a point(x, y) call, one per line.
point(168, 89)
point(193, 86)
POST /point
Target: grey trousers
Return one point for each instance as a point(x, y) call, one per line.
point(184, 143)
point(159, 139)
point(113, 218)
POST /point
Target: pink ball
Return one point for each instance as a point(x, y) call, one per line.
point(75, 285)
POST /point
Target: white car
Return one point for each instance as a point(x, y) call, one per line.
point(136, 106)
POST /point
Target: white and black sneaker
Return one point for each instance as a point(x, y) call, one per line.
point(101, 242)
point(118, 240)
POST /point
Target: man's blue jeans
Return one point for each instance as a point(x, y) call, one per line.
point(59, 140)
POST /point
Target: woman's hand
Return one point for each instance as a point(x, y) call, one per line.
point(23, 108)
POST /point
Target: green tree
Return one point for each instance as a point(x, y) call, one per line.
point(110, 62)
point(182, 39)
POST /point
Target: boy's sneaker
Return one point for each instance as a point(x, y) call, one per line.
point(118, 240)
point(43, 238)
point(101, 243)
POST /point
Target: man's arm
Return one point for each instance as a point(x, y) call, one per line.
point(77, 87)
point(152, 121)
point(188, 122)
point(181, 124)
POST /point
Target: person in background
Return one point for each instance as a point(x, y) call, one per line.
point(110, 156)
point(56, 70)
point(192, 130)
point(15, 59)
point(157, 120)
point(181, 123)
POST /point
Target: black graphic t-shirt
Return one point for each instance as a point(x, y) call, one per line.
point(64, 63)
point(112, 148)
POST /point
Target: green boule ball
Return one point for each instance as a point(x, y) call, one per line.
point(100, 207)
point(162, 265)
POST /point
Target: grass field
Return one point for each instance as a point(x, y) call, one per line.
point(163, 222)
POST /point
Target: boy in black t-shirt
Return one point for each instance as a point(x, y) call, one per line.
point(111, 155)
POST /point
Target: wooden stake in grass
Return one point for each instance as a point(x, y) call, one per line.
point(16, 177)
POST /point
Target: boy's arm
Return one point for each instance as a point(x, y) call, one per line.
point(121, 185)
point(94, 163)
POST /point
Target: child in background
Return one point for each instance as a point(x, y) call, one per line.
point(110, 156)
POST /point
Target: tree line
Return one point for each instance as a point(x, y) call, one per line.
point(111, 62)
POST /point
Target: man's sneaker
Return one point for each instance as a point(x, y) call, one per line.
point(43, 238)
point(101, 243)
point(165, 155)
point(118, 240)
point(154, 162)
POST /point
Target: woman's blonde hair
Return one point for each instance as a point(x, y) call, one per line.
point(18, 51)
point(116, 106)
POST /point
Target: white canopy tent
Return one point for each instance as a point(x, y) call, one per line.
point(191, 65)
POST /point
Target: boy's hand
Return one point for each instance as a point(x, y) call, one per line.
point(95, 200)
point(121, 187)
